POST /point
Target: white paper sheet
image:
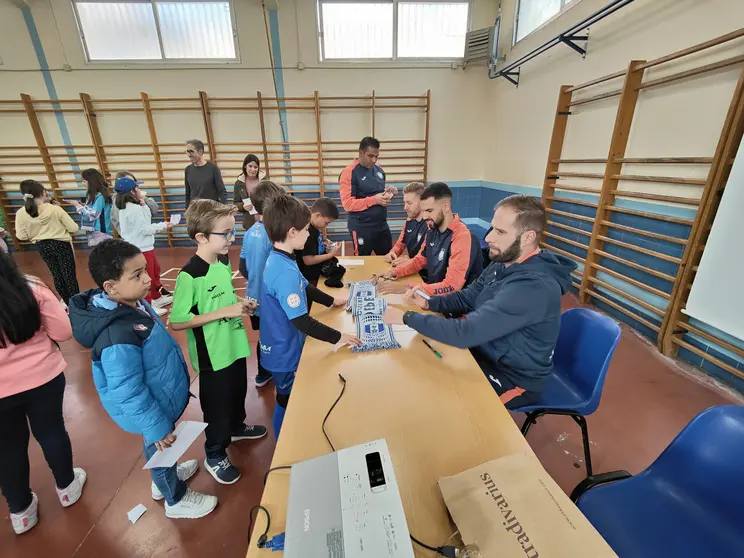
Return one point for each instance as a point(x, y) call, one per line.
point(247, 201)
point(348, 263)
point(186, 433)
point(175, 218)
point(136, 512)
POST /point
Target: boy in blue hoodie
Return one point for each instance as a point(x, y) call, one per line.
point(513, 309)
point(138, 368)
point(253, 255)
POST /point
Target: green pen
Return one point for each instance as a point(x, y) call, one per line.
point(433, 350)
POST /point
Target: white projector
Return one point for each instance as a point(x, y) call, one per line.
point(346, 505)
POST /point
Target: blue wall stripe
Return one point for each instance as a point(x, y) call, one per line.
point(51, 90)
point(276, 49)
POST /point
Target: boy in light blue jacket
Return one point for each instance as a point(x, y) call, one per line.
point(138, 368)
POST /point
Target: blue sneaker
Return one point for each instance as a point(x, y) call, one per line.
point(248, 432)
point(223, 471)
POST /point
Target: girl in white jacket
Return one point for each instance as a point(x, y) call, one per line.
point(136, 227)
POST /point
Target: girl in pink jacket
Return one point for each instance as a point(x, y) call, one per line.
point(32, 385)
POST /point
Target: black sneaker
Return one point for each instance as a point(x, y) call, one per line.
point(249, 432)
point(165, 292)
point(222, 470)
point(263, 378)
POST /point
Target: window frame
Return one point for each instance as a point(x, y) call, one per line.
point(565, 6)
point(163, 60)
point(433, 60)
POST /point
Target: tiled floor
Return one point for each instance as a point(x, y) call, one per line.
point(647, 400)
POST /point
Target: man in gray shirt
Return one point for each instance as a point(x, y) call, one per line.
point(203, 178)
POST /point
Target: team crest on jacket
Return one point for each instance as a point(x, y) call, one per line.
point(440, 257)
point(379, 175)
point(140, 327)
point(293, 300)
point(418, 238)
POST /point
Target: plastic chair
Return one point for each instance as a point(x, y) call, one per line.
point(688, 503)
point(582, 356)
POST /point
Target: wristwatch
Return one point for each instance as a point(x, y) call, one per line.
point(407, 315)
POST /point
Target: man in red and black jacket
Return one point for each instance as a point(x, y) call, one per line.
point(414, 229)
point(365, 198)
point(450, 254)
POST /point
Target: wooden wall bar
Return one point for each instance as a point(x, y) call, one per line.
point(306, 166)
point(598, 236)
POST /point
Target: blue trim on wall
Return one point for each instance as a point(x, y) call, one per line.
point(276, 49)
point(51, 90)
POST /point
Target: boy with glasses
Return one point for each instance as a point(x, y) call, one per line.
point(205, 305)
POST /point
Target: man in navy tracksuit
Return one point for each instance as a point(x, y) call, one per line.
point(450, 254)
point(513, 309)
point(365, 198)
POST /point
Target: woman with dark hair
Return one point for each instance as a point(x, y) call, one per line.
point(248, 179)
point(96, 213)
point(49, 227)
point(32, 385)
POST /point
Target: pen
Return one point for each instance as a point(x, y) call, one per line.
point(433, 350)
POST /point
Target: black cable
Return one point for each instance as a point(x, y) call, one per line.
point(264, 537)
point(426, 546)
point(328, 414)
point(266, 476)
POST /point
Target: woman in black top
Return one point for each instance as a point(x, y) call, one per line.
point(244, 185)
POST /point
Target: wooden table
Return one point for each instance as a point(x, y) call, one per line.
point(439, 417)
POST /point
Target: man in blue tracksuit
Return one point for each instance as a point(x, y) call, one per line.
point(513, 309)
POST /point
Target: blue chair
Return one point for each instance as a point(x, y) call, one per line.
point(688, 503)
point(582, 356)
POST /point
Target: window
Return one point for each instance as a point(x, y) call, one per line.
point(531, 14)
point(392, 29)
point(154, 30)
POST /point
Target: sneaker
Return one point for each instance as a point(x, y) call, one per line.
point(185, 471)
point(160, 311)
point(27, 519)
point(249, 432)
point(164, 300)
point(222, 470)
point(165, 292)
point(71, 494)
point(263, 379)
point(193, 505)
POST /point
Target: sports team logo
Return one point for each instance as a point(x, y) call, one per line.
point(293, 300)
point(440, 257)
point(379, 175)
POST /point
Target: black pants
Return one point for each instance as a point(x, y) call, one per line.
point(511, 395)
point(42, 408)
point(222, 396)
point(256, 326)
point(365, 242)
point(60, 260)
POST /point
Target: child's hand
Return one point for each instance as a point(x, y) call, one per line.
point(233, 311)
point(340, 301)
point(168, 225)
point(250, 305)
point(73, 202)
point(166, 442)
point(350, 341)
point(336, 250)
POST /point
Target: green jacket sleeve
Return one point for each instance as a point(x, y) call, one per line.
point(183, 299)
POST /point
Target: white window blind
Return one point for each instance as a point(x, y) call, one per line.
point(531, 14)
point(356, 30)
point(152, 30)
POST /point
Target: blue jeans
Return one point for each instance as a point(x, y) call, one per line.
point(166, 479)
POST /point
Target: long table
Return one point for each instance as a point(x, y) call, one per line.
point(439, 416)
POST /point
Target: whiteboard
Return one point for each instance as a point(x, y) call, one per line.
point(717, 295)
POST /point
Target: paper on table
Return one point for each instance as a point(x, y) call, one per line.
point(350, 262)
point(175, 218)
point(186, 432)
point(136, 512)
point(247, 201)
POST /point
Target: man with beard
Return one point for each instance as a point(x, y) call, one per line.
point(513, 309)
point(203, 179)
point(449, 253)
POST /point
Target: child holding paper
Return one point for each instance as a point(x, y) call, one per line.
point(136, 227)
point(138, 368)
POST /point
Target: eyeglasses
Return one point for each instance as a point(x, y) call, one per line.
point(230, 235)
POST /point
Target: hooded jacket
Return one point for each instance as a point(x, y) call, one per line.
point(138, 368)
point(512, 322)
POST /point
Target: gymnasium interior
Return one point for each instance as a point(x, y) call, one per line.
point(624, 117)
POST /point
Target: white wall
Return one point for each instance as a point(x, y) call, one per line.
point(458, 95)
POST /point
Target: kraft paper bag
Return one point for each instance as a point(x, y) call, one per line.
point(510, 507)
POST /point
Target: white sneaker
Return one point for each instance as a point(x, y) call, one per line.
point(27, 519)
point(193, 505)
point(164, 300)
point(185, 471)
point(71, 494)
point(160, 311)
